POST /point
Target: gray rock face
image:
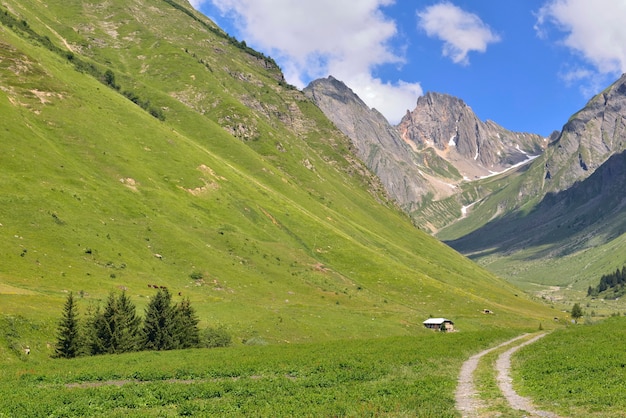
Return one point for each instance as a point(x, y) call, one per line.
point(577, 185)
point(423, 160)
point(377, 143)
point(476, 148)
point(588, 139)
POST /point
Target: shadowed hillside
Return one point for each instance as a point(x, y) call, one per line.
point(560, 221)
point(563, 222)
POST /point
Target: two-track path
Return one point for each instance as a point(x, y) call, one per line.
point(468, 402)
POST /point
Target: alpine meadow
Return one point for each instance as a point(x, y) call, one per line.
point(145, 154)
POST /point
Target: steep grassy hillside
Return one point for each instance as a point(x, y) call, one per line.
point(140, 145)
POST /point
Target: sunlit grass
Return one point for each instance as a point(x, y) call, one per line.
point(578, 371)
point(402, 376)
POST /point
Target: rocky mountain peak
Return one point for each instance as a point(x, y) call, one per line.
point(377, 143)
point(442, 102)
point(434, 149)
point(589, 138)
point(331, 87)
point(448, 125)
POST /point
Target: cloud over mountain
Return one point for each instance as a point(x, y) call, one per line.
point(348, 40)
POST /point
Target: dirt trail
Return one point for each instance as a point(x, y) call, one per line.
point(467, 401)
point(505, 383)
point(67, 45)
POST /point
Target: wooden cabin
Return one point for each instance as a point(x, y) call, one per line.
point(437, 324)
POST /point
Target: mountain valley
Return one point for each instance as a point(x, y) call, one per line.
point(144, 146)
point(514, 202)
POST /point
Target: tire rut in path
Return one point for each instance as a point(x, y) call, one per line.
point(505, 383)
point(466, 396)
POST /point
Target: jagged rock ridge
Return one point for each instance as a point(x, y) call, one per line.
point(425, 161)
point(588, 139)
point(476, 148)
point(377, 143)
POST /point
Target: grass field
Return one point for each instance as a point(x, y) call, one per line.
point(579, 371)
point(563, 281)
point(400, 376)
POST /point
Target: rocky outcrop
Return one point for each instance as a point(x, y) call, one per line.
point(437, 146)
point(588, 139)
point(377, 143)
point(475, 148)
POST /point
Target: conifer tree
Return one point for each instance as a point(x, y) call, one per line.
point(159, 323)
point(127, 325)
point(116, 329)
point(94, 331)
point(108, 324)
point(68, 340)
point(186, 326)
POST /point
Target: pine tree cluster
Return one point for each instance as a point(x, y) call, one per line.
point(117, 328)
point(614, 281)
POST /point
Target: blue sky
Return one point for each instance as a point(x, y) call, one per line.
point(525, 64)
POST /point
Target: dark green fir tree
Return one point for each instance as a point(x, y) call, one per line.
point(68, 340)
point(186, 325)
point(159, 325)
point(116, 328)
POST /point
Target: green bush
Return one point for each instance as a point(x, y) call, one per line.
point(216, 337)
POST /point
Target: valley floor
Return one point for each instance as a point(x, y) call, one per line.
point(574, 371)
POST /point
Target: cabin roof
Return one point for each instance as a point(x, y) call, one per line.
point(436, 321)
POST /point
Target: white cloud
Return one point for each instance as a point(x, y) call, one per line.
point(589, 82)
point(392, 100)
point(594, 29)
point(460, 31)
point(572, 76)
point(313, 39)
point(595, 32)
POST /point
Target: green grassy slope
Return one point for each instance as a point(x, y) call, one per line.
point(244, 182)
